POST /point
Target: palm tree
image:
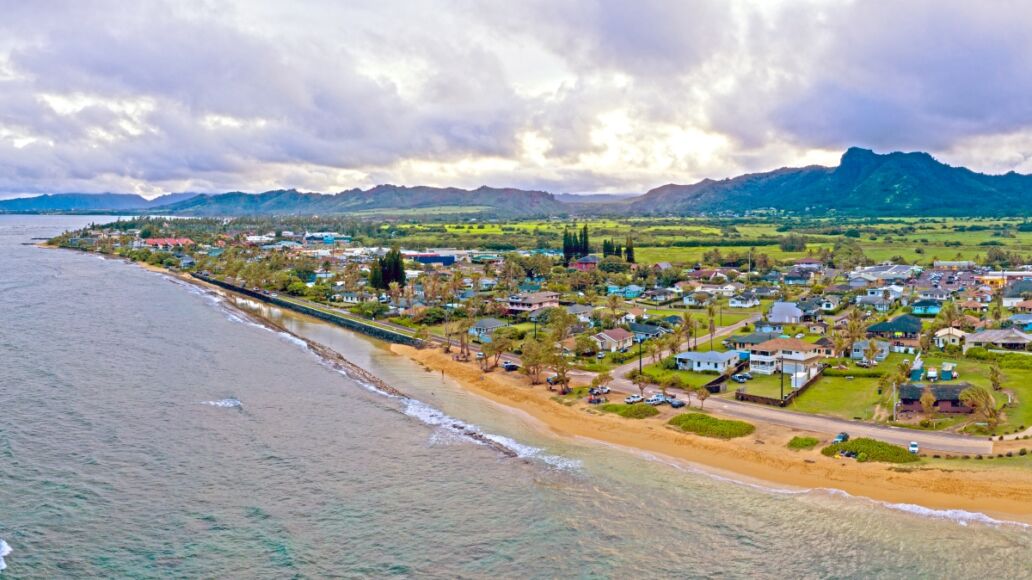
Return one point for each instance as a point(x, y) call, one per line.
point(927, 401)
point(702, 393)
point(982, 401)
point(995, 376)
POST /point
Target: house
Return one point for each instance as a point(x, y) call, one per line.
point(934, 294)
point(186, 261)
point(483, 328)
point(743, 342)
point(947, 398)
point(583, 312)
point(784, 313)
point(826, 346)
point(167, 243)
point(1021, 321)
point(613, 339)
point(859, 350)
point(586, 263)
point(926, 307)
point(953, 265)
point(876, 303)
point(798, 277)
point(1006, 339)
point(830, 303)
point(774, 327)
point(697, 299)
point(711, 361)
point(634, 315)
point(744, 300)
point(814, 264)
point(817, 327)
point(643, 332)
point(906, 326)
point(797, 359)
point(662, 266)
point(949, 337)
point(629, 292)
point(763, 292)
point(533, 301)
point(1023, 306)
point(659, 295)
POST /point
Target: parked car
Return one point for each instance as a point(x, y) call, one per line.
point(656, 399)
point(552, 380)
point(747, 375)
point(480, 355)
point(599, 391)
point(841, 438)
point(738, 378)
point(596, 400)
point(510, 366)
point(600, 356)
point(632, 399)
point(675, 403)
point(914, 448)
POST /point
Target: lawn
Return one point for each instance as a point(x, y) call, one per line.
point(840, 397)
point(762, 385)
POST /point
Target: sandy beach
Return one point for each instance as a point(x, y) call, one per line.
point(1000, 492)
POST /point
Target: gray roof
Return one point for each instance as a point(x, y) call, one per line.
point(489, 323)
point(707, 356)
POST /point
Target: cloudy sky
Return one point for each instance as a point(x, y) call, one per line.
point(567, 95)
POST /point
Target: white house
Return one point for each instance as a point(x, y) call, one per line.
point(784, 313)
point(744, 300)
point(797, 359)
point(710, 361)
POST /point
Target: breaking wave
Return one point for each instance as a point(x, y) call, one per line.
point(5, 550)
point(225, 403)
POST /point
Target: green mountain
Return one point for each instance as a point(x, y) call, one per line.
point(864, 183)
point(81, 202)
point(380, 199)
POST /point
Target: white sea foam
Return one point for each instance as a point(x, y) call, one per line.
point(437, 418)
point(5, 550)
point(962, 517)
point(225, 403)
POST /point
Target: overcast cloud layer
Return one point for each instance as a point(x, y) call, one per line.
point(571, 95)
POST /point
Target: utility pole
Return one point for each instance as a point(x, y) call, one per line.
point(639, 357)
point(782, 377)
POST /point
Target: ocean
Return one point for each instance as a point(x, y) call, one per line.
point(147, 430)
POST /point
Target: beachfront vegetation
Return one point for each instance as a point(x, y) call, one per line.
point(872, 450)
point(799, 443)
point(708, 426)
point(636, 411)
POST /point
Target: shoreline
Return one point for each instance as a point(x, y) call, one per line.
point(760, 460)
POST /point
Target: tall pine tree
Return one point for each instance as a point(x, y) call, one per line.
point(585, 247)
point(629, 250)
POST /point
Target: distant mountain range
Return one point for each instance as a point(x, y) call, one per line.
point(504, 202)
point(863, 184)
point(80, 202)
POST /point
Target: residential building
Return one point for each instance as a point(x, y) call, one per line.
point(586, 263)
point(949, 337)
point(613, 339)
point(859, 350)
point(710, 361)
point(533, 301)
point(784, 313)
point(1004, 338)
point(798, 360)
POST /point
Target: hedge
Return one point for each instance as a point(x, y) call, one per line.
point(708, 426)
point(872, 450)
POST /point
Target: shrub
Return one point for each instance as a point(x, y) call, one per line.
point(708, 426)
point(798, 443)
point(638, 411)
point(1023, 452)
point(872, 450)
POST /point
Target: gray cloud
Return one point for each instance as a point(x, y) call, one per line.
point(577, 96)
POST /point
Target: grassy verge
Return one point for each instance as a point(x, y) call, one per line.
point(638, 411)
point(799, 443)
point(708, 426)
point(872, 450)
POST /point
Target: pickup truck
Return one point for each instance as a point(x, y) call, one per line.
point(632, 399)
